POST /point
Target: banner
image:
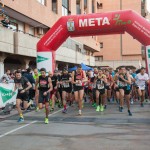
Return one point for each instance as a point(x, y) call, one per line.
point(148, 58)
point(44, 60)
point(6, 94)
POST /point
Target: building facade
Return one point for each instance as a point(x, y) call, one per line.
point(126, 50)
point(29, 21)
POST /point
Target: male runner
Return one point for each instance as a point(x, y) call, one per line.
point(66, 88)
point(141, 80)
point(23, 86)
point(44, 85)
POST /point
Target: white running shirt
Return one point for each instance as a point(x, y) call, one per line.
point(140, 80)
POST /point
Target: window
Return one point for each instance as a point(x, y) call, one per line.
point(31, 30)
point(54, 6)
point(85, 6)
point(93, 9)
point(99, 58)
point(65, 7)
point(99, 5)
point(43, 2)
point(101, 44)
point(78, 49)
point(78, 6)
point(87, 52)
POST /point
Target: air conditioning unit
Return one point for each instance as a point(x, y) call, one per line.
point(40, 31)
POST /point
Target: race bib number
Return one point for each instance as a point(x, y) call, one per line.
point(121, 84)
point(108, 84)
point(66, 85)
point(94, 85)
point(100, 86)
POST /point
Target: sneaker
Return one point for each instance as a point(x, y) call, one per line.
point(98, 108)
point(37, 109)
point(121, 109)
point(129, 112)
point(52, 109)
point(46, 121)
point(131, 101)
point(94, 104)
point(64, 111)
point(59, 105)
point(21, 119)
point(102, 108)
point(142, 105)
point(80, 113)
point(117, 101)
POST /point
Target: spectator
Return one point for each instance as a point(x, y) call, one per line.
point(6, 78)
point(5, 22)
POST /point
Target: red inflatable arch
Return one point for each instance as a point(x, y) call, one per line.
point(117, 22)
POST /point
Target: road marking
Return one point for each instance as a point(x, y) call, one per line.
point(14, 130)
point(17, 129)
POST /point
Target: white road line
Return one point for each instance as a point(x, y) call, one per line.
point(12, 131)
point(17, 129)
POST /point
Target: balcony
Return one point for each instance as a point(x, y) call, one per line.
point(6, 40)
point(25, 44)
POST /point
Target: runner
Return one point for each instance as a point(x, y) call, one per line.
point(54, 80)
point(100, 81)
point(94, 87)
point(109, 85)
point(141, 79)
point(124, 85)
point(44, 85)
point(35, 76)
point(66, 88)
point(23, 86)
point(78, 79)
point(116, 88)
point(59, 90)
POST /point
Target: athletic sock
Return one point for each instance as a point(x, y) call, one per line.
point(65, 106)
point(21, 115)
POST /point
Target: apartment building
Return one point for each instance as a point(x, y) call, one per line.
point(126, 50)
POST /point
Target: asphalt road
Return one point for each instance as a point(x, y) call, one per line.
point(109, 130)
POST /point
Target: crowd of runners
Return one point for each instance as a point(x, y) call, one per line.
point(99, 87)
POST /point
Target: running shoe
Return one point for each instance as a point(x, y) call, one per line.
point(129, 112)
point(21, 119)
point(64, 111)
point(46, 121)
point(101, 108)
point(52, 109)
point(37, 109)
point(80, 113)
point(94, 104)
point(131, 101)
point(121, 109)
point(142, 105)
point(117, 101)
point(59, 105)
point(98, 108)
